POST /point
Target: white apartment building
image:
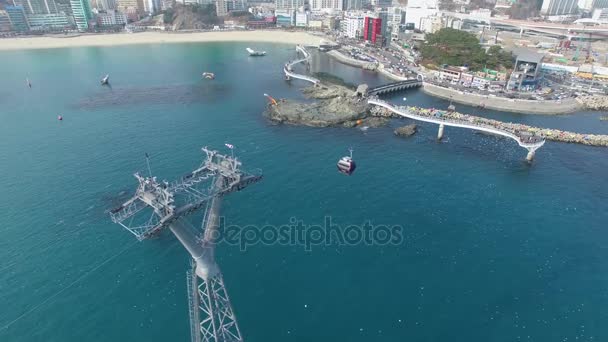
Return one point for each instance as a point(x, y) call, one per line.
point(352, 25)
point(418, 9)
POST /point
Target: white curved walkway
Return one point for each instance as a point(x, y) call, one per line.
point(530, 146)
point(288, 67)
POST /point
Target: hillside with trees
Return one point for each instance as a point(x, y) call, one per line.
point(459, 48)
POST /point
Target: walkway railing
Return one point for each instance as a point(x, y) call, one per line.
point(288, 67)
point(531, 145)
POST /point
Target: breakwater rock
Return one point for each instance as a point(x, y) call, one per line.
point(406, 131)
point(594, 102)
point(515, 128)
point(333, 106)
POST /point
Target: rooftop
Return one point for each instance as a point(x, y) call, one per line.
point(528, 55)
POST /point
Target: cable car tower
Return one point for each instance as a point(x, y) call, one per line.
point(159, 205)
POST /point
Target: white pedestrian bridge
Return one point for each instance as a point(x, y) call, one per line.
point(530, 143)
point(288, 69)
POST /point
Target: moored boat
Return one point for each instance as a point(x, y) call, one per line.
point(254, 53)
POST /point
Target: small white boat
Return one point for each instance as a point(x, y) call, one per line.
point(209, 75)
point(105, 79)
point(254, 53)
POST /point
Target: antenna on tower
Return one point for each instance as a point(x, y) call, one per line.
point(148, 164)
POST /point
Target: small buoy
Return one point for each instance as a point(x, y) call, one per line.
point(359, 122)
point(59, 117)
point(405, 99)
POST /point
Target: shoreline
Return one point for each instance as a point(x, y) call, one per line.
point(535, 107)
point(546, 107)
point(119, 39)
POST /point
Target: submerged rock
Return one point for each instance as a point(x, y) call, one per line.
point(406, 131)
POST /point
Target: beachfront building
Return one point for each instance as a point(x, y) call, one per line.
point(352, 5)
point(526, 72)
point(16, 14)
point(221, 8)
point(326, 5)
point(5, 22)
point(418, 9)
point(46, 22)
point(289, 4)
point(37, 6)
point(302, 19)
point(558, 7)
point(81, 10)
point(352, 25)
point(285, 18)
point(111, 18)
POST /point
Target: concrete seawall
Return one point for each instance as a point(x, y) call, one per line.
point(503, 104)
point(351, 61)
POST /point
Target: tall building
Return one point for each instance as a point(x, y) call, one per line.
point(558, 7)
point(81, 9)
point(111, 18)
point(601, 15)
point(16, 14)
point(221, 8)
point(37, 6)
point(590, 5)
point(382, 3)
point(325, 5)
point(372, 28)
point(124, 4)
point(352, 25)
point(289, 4)
point(431, 24)
point(352, 5)
point(418, 9)
point(5, 22)
point(151, 6)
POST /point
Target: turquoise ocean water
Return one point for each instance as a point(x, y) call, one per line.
point(494, 249)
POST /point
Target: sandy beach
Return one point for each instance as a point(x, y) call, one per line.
point(49, 42)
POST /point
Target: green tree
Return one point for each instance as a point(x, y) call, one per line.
point(455, 47)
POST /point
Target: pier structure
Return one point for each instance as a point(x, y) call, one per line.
point(157, 205)
point(530, 143)
point(288, 68)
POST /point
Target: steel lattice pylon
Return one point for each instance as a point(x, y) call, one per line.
point(157, 205)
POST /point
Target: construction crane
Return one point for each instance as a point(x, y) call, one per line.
point(158, 205)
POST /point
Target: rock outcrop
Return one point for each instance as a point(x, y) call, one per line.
point(406, 131)
point(594, 102)
point(334, 106)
